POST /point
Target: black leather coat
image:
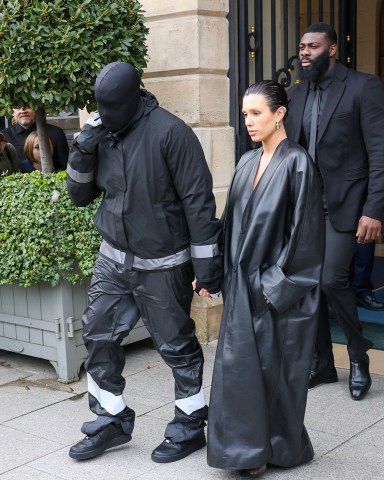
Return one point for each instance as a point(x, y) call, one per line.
point(264, 353)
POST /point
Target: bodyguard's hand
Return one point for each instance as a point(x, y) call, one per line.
point(91, 134)
point(368, 230)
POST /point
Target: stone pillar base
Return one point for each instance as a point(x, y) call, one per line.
point(207, 316)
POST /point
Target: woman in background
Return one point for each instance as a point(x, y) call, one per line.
point(273, 254)
point(32, 159)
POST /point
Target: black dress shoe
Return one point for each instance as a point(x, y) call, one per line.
point(359, 379)
point(111, 436)
point(168, 451)
point(322, 376)
point(369, 301)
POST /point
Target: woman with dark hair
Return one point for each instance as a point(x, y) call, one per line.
point(273, 253)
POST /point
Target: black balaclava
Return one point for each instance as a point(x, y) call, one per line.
point(117, 93)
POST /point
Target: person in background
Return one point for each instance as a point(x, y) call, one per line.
point(32, 153)
point(9, 161)
point(337, 114)
point(273, 254)
point(25, 123)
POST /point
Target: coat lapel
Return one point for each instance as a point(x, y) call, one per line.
point(297, 111)
point(276, 160)
point(243, 162)
point(336, 91)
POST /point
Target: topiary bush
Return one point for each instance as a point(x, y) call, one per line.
point(44, 237)
point(51, 52)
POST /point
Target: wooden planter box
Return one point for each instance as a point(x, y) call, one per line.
point(45, 322)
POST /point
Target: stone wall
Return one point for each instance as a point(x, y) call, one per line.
point(187, 71)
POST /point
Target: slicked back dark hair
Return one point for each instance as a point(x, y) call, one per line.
point(273, 92)
point(322, 27)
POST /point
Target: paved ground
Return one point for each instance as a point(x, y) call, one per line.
point(40, 419)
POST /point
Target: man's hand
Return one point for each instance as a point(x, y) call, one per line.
point(91, 134)
point(368, 230)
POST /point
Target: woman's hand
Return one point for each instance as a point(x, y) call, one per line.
point(203, 292)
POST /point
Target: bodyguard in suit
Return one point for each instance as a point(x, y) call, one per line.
point(338, 114)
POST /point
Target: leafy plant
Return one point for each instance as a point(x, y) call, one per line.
point(51, 52)
point(44, 237)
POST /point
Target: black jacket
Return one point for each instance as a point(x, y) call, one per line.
point(157, 190)
point(350, 144)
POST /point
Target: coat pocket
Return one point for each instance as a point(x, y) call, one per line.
point(259, 305)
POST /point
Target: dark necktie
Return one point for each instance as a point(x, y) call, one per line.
point(314, 122)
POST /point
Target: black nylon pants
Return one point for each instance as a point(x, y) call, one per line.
point(163, 300)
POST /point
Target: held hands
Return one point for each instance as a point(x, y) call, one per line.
point(368, 230)
point(203, 292)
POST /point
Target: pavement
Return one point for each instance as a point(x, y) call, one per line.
point(40, 419)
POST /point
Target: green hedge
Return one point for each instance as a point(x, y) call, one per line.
point(52, 51)
point(44, 238)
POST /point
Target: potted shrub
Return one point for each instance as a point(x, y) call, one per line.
point(48, 247)
point(50, 55)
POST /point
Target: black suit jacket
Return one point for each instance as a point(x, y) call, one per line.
point(350, 144)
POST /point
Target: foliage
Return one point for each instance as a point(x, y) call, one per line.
point(44, 238)
point(51, 51)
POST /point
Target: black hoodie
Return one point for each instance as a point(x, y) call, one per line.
point(157, 189)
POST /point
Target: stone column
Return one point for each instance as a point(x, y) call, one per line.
point(187, 71)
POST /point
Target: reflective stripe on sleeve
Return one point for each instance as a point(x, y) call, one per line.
point(113, 404)
point(205, 251)
point(191, 404)
point(80, 177)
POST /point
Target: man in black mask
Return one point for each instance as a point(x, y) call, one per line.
point(338, 115)
point(157, 220)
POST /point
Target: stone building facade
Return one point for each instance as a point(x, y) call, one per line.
point(188, 72)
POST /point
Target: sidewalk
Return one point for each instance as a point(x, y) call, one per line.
point(41, 418)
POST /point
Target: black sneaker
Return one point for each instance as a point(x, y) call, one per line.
point(168, 451)
point(111, 436)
